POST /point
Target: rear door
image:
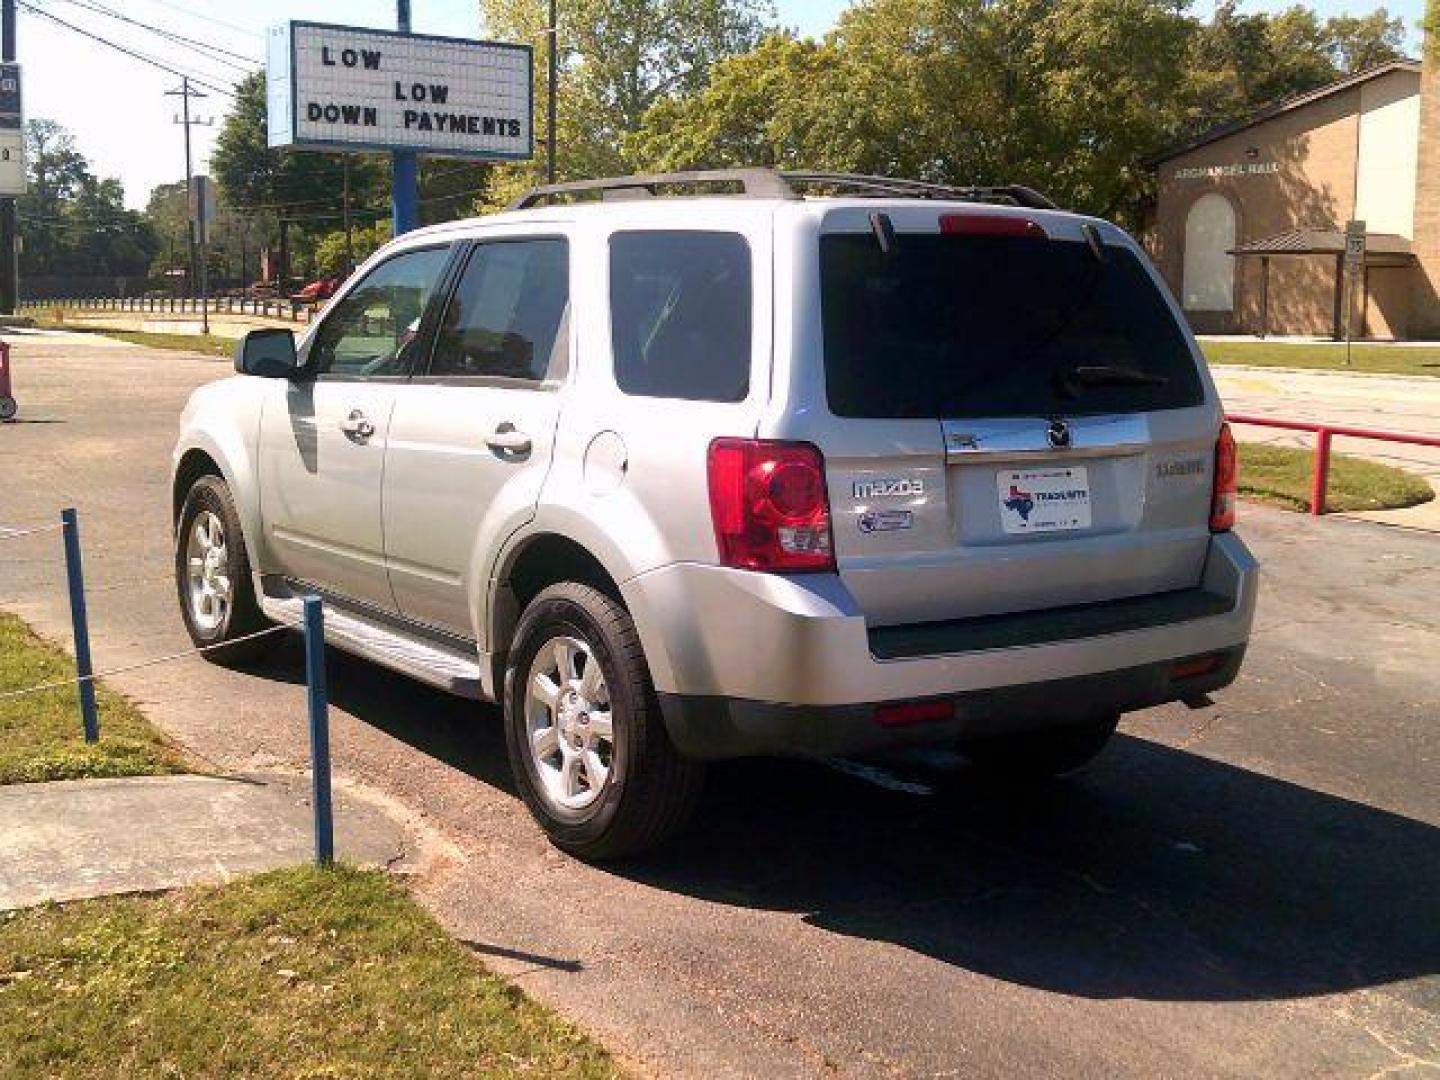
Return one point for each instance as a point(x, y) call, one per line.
point(1017, 421)
point(472, 434)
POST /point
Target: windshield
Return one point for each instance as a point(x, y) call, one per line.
point(967, 326)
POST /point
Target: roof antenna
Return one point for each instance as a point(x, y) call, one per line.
point(884, 230)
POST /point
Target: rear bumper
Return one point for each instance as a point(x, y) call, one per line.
point(751, 663)
point(709, 727)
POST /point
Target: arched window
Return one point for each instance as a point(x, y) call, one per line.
point(1209, 272)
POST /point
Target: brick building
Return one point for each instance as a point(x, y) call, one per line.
point(1249, 220)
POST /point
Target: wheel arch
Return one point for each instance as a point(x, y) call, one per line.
point(528, 566)
point(202, 455)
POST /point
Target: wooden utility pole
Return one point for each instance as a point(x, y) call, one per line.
point(185, 93)
point(9, 234)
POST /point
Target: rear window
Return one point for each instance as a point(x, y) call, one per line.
point(968, 326)
point(680, 314)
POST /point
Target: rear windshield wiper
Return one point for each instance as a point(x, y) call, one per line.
point(1114, 375)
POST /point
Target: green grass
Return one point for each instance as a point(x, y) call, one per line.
point(208, 344)
point(41, 736)
point(296, 973)
point(1386, 359)
point(1281, 476)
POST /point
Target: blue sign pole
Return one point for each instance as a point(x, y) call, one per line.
point(75, 578)
point(404, 165)
point(319, 730)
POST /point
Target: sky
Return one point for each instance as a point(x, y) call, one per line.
point(117, 109)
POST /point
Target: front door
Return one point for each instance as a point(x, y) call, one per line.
point(471, 436)
point(322, 439)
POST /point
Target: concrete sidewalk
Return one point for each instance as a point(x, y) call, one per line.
point(76, 839)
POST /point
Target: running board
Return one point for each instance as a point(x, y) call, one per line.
point(431, 662)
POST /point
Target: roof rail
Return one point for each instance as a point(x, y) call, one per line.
point(1017, 194)
point(753, 184)
point(770, 184)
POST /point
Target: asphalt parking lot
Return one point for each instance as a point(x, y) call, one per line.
point(1252, 889)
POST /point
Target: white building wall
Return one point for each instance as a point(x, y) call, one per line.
point(1389, 138)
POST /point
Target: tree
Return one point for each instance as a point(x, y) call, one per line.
point(1365, 42)
point(618, 58)
point(1240, 62)
point(757, 110)
point(72, 222)
point(299, 190)
point(1064, 95)
point(331, 251)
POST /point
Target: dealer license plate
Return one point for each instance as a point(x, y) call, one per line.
point(1044, 500)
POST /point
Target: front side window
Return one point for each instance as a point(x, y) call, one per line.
point(680, 314)
point(373, 330)
point(505, 316)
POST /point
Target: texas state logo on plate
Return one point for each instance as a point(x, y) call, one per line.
point(1043, 500)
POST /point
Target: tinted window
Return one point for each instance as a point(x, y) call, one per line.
point(981, 326)
point(373, 329)
point(504, 318)
point(680, 314)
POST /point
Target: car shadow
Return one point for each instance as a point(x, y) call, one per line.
point(1155, 873)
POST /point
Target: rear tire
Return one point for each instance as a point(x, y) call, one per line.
point(1039, 754)
point(212, 577)
point(586, 740)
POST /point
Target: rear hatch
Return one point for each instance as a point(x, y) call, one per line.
point(1016, 419)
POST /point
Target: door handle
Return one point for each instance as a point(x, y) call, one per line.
point(357, 426)
point(507, 440)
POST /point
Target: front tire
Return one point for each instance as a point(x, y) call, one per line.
point(587, 744)
point(1040, 754)
point(212, 576)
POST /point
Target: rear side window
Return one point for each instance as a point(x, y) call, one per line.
point(504, 319)
point(680, 314)
point(969, 326)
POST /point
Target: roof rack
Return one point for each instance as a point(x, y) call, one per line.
point(753, 184)
point(771, 184)
point(1016, 194)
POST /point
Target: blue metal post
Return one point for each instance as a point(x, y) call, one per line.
point(404, 165)
point(75, 576)
point(319, 730)
point(405, 182)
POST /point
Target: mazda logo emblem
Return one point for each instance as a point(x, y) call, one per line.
point(1058, 434)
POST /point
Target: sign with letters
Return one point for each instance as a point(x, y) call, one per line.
point(1354, 245)
point(1228, 171)
point(348, 88)
point(12, 132)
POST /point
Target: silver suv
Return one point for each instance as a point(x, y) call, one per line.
point(735, 463)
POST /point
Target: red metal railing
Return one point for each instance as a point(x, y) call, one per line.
point(1323, 433)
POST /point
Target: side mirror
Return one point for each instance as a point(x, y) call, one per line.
point(267, 353)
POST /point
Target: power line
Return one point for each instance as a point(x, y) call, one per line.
point(208, 18)
point(247, 67)
point(127, 51)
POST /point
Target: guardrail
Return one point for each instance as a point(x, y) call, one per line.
point(1320, 476)
point(273, 308)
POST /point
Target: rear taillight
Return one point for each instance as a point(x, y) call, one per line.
point(1227, 482)
point(991, 225)
point(769, 505)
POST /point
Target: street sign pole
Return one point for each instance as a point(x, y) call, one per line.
point(1354, 268)
point(404, 165)
point(202, 210)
